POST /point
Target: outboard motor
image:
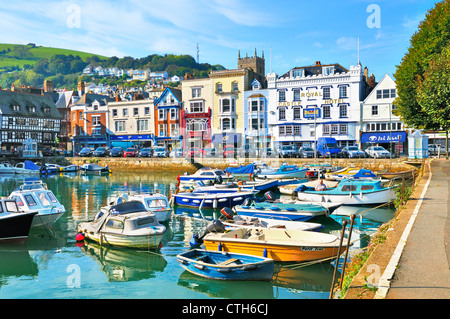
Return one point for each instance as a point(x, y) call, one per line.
point(219, 179)
point(247, 202)
point(215, 226)
point(227, 212)
point(269, 196)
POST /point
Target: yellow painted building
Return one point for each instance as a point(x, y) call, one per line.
point(228, 88)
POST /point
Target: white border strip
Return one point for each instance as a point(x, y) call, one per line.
point(384, 282)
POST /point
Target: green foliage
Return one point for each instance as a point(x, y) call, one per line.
point(433, 92)
point(432, 36)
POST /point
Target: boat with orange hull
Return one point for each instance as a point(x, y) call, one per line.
point(279, 244)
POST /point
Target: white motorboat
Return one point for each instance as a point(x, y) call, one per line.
point(284, 171)
point(36, 197)
point(7, 168)
point(125, 224)
point(206, 175)
point(26, 167)
point(239, 221)
point(155, 203)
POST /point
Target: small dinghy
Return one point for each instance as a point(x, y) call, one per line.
point(226, 266)
point(94, 168)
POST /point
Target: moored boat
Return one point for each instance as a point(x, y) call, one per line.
point(94, 168)
point(155, 203)
point(226, 266)
point(239, 221)
point(284, 171)
point(126, 224)
point(206, 175)
point(216, 200)
point(34, 196)
point(7, 168)
point(350, 192)
point(278, 244)
point(14, 224)
point(282, 211)
point(258, 186)
point(70, 168)
point(26, 167)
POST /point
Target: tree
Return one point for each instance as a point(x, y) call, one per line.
point(433, 91)
point(432, 36)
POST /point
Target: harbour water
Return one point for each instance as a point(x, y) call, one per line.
point(52, 265)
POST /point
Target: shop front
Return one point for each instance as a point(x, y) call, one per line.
point(394, 142)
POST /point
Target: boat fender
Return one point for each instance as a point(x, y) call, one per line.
point(290, 209)
point(265, 253)
point(79, 237)
point(224, 270)
point(274, 208)
point(195, 242)
point(258, 207)
point(227, 212)
point(220, 247)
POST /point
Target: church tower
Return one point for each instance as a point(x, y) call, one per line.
point(256, 64)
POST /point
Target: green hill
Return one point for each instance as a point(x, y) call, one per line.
point(15, 56)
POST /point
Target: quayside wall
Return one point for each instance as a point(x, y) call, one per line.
point(182, 165)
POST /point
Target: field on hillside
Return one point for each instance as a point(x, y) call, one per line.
point(28, 54)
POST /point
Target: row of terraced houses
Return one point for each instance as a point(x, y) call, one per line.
point(242, 107)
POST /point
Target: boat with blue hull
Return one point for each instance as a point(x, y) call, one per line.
point(284, 171)
point(257, 186)
point(350, 192)
point(221, 265)
point(282, 211)
point(216, 200)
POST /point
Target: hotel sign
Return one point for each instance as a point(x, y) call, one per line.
point(309, 113)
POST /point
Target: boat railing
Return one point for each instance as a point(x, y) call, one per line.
point(30, 185)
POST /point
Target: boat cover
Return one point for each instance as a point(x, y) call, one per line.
point(248, 169)
point(127, 208)
point(31, 166)
point(364, 173)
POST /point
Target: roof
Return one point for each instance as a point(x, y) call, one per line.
point(26, 101)
point(175, 92)
point(89, 98)
point(317, 69)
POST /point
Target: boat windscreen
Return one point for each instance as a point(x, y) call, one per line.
point(127, 208)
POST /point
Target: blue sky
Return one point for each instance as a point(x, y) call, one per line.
point(291, 32)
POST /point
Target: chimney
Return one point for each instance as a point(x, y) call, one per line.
point(118, 99)
point(318, 63)
point(48, 86)
point(372, 81)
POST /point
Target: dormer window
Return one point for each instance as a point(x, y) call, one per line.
point(299, 73)
point(328, 70)
point(15, 107)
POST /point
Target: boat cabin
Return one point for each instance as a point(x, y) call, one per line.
point(34, 196)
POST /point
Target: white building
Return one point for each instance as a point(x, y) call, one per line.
point(316, 101)
point(379, 125)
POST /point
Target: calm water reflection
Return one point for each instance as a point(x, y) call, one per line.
point(52, 265)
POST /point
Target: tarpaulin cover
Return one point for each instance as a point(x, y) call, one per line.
point(365, 173)
point(31, 165)
point(248, 169)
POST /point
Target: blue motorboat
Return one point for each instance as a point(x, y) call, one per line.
point(284, 171)
point(221, 265)
point(257, 186)
point(282, 211)
point(350, 192)
point(215, 200)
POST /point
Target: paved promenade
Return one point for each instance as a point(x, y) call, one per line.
point(422, 271)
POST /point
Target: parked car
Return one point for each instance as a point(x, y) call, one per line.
point(130, 152)
point(306, 152)
point(352, 152)
point(377, 152)
point(209, 152)
point(5, 153)
point(229, 151)
point(287, 151)
point(47, 151)
point(86, 152)
point(146, 152)
point(160, 152)
point(116, 152)
point(194, 152)
point(435, 149)
point(101, 152)
point(176, 152)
